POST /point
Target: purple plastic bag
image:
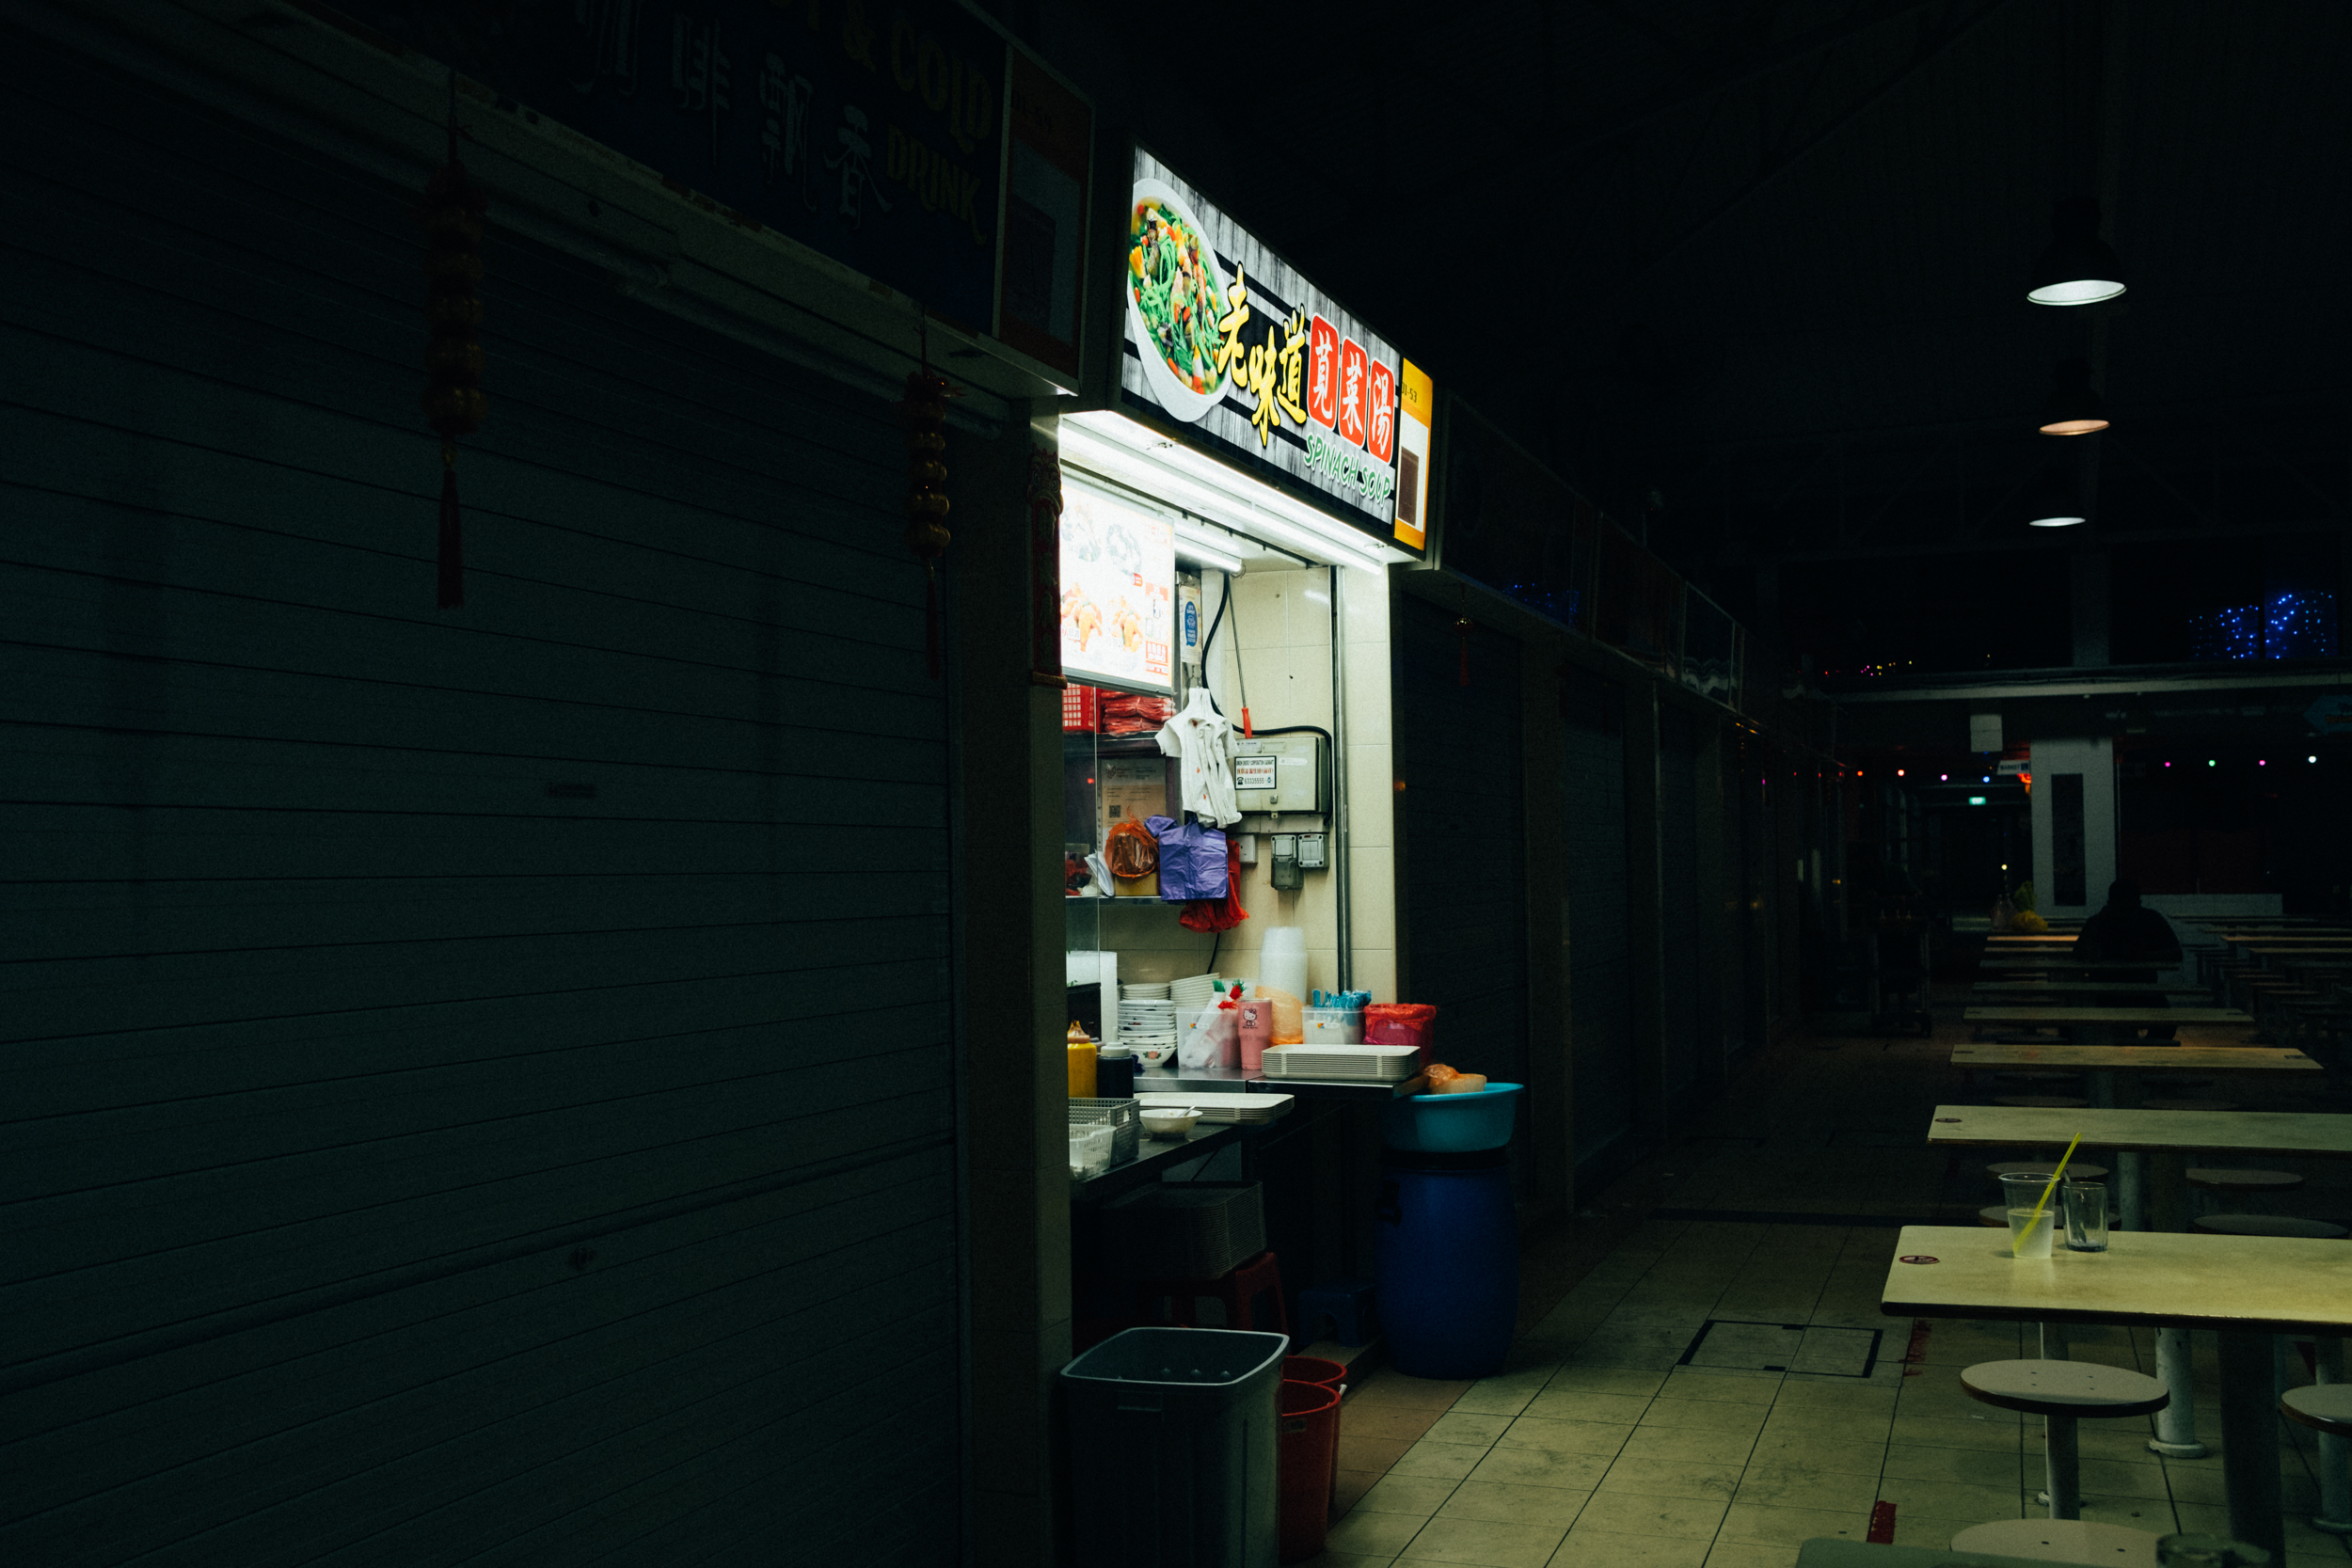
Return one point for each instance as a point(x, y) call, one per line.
point(1192, 860)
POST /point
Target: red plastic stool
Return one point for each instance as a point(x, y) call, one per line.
point(1237, 1287)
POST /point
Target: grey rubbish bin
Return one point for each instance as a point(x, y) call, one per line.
point(1171, 1448)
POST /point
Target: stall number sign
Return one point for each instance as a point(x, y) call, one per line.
point(1253, 772)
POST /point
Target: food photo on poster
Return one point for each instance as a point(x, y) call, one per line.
point(1117, 580)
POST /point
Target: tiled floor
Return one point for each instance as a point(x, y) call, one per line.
point(1598, 1445)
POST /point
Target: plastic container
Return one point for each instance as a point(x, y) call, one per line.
point(1308, 1427)
point(1257, 1028)
point(1448, 1247)
point(1413, 1023)
point(1173, 1448)
point(1123, 1116)
point(1114, 1072)
point(1314, 1368)
point(1451, 1123)
point(1187, 1229)
point(1333, 1026)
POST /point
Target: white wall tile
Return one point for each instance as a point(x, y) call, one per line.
point(1375, 972)
point(1372, 896)
point(1372, 796)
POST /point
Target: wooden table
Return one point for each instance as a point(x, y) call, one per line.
point(2291, 939)
point(2023, 938)
point(2166, 1136)
point(2134, 1058)
point(2059, 1016)
point(2012, 963)
point(2248, 1288)
point(2083, 987)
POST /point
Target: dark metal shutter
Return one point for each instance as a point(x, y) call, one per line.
point(480, 1085)
point(1601, 1004)
point(1465, 885)
point(1678, 875)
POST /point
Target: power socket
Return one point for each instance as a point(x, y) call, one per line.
point(1249, 848)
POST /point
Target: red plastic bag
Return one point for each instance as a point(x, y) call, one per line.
point(1128, 713)
point(1413, 1023)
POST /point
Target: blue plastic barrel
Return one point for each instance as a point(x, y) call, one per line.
point(1448, 1262)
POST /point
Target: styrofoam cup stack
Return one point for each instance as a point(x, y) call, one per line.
point(1282, 966)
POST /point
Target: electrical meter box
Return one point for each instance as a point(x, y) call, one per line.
point(1282, 772)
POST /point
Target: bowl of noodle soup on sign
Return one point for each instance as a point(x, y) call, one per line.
point(1175, 298)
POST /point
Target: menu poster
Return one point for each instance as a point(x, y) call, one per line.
point(1117, 578)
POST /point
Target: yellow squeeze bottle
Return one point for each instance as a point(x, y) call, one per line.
point(1081, 1063)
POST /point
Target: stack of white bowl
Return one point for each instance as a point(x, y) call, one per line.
point(1147, 1019)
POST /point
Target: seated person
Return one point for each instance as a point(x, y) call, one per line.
point(2126, 929)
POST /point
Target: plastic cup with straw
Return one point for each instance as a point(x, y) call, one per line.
point(2029, 1229)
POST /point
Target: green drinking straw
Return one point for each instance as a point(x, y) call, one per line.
point(2055, 1177)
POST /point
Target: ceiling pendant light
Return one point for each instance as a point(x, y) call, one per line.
point(2056, 500)
point(2078, 267)
point(2076, 407)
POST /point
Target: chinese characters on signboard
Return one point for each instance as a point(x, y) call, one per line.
point(1224, 336)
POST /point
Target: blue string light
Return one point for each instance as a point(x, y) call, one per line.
point(2284, 625)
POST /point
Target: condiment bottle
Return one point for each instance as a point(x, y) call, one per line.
point(1114, 1072)
point(1081, 1063)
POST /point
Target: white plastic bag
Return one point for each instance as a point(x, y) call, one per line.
point(1212, 1038)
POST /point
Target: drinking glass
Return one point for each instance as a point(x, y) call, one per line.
point(2086, 1216)
point(2207, 1551)
point(2028, 1231)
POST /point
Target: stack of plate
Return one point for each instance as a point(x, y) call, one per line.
point(1377, 1063)
point(1193, 993)
point(1245, 1110)
point(1143, 990)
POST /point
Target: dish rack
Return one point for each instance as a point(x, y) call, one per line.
point(1125, 1122)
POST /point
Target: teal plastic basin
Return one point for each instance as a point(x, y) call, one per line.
point(1451, 1123)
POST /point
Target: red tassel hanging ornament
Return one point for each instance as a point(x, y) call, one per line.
point(923, 413)
point(1463, 626)
point(453, 402)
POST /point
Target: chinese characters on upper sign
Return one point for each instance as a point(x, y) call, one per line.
point(869, 129)
point(1224, 336)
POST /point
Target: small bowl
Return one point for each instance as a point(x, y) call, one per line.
point(1170, 1124)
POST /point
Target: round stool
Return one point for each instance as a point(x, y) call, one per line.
point(2189, 1106)
point(2060, 1541)
point(1996, 1215)
point(2321, 1406)
point(2327, 1409)
point(2040, 1102)
point(2062, 1393)
point(2078, 1169)
point(2244, 1186)
point(2269, 1225)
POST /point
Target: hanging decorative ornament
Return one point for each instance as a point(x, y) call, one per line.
point(923, 413)
point(453, 402)
point(1463, 626)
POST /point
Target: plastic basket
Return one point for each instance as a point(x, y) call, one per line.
point(1126, 1124)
